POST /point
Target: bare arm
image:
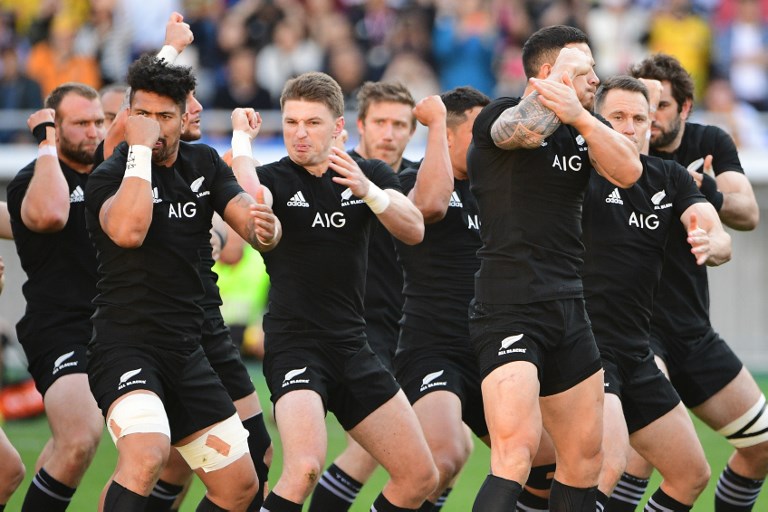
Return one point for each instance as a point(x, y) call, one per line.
point(396, 213)
point(710, 243)
point(5, 222)
point(434, 182)
point(254, 221)
point(739, 210)
point(45, 207)
point(126, 216)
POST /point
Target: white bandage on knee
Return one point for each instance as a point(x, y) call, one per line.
point(138, 413)
point(217, 448)
point(750, 429)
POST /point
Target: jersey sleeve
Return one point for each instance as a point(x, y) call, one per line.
point(380, 174)
point(686, 191)
point(726, 156)
point(408, 179)
point(17, 189)
point(224, 184)
point(481, 130)
point(105, 180)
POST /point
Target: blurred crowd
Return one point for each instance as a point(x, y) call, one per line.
point(244, 50)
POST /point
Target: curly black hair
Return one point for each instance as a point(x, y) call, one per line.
point(155, 75)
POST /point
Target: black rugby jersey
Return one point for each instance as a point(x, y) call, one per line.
point(317, 271)
point(625, 232)
point(60, 266)
point(530, 212)
point(152, 294)
point(682, 302)
point(440, 271)
point(383, 299)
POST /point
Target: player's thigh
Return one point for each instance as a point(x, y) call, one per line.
point(71, 409)
point(671, 445)
point(439, 414)
point(731, 402)
point(393, 436)
point(511, 402)
point(300, 418)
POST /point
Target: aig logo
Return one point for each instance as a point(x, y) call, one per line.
point(329, 220)
point(638, 220)
point(179, 210)
point(572, 163)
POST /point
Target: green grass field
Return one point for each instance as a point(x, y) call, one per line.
point(29, 436)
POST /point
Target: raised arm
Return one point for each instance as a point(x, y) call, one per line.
point(126, 216)
point(434, 182)
point(45, 207)
point(710, 243)
point(250, 213)
point(526, 125)
point(396, 213)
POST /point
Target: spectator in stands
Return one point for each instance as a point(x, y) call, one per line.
point(463, 42)
point(740, 119)
point(741, 53)
point(17, 91)
point(616, 31)
point(53, 61)
point(290, 54)
point(240, 87)
point(677, 30)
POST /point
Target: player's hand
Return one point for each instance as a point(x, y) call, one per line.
point(177, 33)
point(572, 61)
point(654, 94)
point(350, 174)
point(215, 244)
point(341, 140)
point(44, 115)
point(2, 274)
point(699, 240)
point(560, 98)
point(430, 110)
point(141, 130)
point(265, 222)
point(247, 120)
point(693, 169)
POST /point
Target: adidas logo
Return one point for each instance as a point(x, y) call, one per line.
point(155, 196)
point(77, 195)
point(298, 200)
point(614, 197)
point(455, 200)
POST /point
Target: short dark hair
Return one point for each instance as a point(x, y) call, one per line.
point(661, 66)
point(460, 99)
point(377, 92)
point(545, 44)
point(620, 83)
point(316, 87)
point(54, 99)
point(155, 75)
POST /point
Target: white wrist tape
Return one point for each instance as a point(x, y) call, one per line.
point(139, 164)
point(167, 53)
point(241, 144)
point(47, 150)
point(376, 199)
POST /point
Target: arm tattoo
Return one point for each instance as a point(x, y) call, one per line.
point(525, 125)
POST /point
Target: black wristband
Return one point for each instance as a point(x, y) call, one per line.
point(40, 130)
point(709, 189)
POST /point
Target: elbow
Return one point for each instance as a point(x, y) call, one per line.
point(413, 235)
point(47, 222)
point(433, 213)
point(126, 238)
